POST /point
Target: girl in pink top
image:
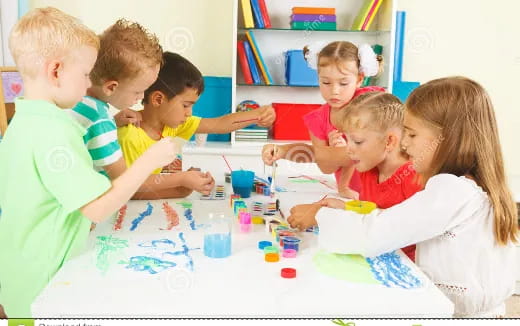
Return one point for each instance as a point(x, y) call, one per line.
point(342, 66)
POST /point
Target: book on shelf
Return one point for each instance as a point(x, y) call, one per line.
point(242, 58)
point(265, 14)
point(362, 15)
point(248, 14)
point(257, 14)
point(371, 14)
point(313, 11)
point(252, 64)
point(260, 60)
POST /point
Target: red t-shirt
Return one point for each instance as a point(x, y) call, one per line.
point(394, 190)
point(319, 124)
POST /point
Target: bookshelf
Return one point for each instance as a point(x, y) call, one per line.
point(273, 42)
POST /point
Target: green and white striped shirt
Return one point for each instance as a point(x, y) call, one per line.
point(101, 136)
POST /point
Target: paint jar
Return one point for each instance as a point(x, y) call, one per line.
point(245, 222)
point(291, 243)
point(285, 233)
point(217, 236)
point(277, 230)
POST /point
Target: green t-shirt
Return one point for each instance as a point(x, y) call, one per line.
point(46, 175)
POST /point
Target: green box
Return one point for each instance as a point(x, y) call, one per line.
point(20, 322)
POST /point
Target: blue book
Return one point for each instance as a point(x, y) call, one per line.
point(252, 63)
point(257, 14)
point(261, 61)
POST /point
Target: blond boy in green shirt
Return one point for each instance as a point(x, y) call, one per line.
point(50, 192)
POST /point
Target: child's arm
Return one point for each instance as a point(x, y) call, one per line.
point(177, 192)
point(127, 183)
point(344, 183)
point(297, 152)
point(263, 117)
point(329, 159)
point(156, 186)
point(163, 183)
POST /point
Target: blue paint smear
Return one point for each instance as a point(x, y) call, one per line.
point(155, 243)
point(141, 216)
point(191, 220)
point(391, 272)
point(184, 251)
point(149, 264)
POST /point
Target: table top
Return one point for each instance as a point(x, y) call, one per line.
point(102, 282)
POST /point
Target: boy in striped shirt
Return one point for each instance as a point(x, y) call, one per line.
point(128, 63)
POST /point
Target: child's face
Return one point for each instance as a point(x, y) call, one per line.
point(366, 148)
point(337, 85)
point(175, 111)
point(420, 142)
point(131, 91)
point(73, 77)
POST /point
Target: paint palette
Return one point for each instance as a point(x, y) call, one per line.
point(218, 193)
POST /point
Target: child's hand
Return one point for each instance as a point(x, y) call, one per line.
point(266, 116)
point(269, 156)
point(336, 139)
point(128, 116)
point(349, 193)
point(304, 216)
point(162, 153)
point(198, 181)
point(333, 203)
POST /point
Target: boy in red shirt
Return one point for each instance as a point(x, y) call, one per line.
point(373, 125)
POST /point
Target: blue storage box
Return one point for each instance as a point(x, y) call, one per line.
point(297, 70)
point(214, 102)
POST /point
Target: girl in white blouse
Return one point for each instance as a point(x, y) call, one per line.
point(464, 222)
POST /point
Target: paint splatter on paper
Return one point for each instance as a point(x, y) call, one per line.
point(107, 245)
point(139, 219)
point(120, 217)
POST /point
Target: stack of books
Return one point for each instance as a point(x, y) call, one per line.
point(252, 133)
point(312, 18)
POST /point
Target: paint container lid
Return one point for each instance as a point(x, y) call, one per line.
point(263, 244)
point(272, 257)
point(271, 249)
point(288, 273)
point(289, 253)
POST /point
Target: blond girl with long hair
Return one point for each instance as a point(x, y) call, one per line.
point(465, 222)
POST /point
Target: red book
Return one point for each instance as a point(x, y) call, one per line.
point(265, 14)
point(242, 58)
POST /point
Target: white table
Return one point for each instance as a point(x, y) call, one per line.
point(242, 285)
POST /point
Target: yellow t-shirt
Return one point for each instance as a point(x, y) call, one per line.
point(135, 141)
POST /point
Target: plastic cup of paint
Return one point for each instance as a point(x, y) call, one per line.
point(285, 233)
point(245, 222)
point(242, 182)
point(291, 243)
point(277, 231)
point(217, 236)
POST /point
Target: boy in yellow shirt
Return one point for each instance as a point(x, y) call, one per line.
point(168, 110)
point(49, 190)
point(128, 63)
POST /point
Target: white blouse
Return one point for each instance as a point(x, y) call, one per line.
point(451, 221)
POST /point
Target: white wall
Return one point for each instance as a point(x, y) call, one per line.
point(475, 38)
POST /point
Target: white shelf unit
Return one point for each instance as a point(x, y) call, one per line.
point(275, 41)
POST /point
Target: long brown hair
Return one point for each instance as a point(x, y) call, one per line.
point(470, 146)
